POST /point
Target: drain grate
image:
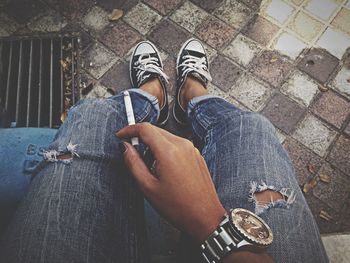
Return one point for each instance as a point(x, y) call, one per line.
point(38, 79)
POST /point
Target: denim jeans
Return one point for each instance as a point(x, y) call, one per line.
point(87, 208)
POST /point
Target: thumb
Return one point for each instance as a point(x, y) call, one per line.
point(138, 169)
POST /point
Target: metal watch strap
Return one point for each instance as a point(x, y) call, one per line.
point(219, 243)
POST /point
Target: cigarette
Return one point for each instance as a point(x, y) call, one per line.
point(130, 115)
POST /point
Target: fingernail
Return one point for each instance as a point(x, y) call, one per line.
point(122, 147)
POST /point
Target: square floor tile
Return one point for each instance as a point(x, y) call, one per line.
point(281, 135)
point(321, 8)
point(278, 10)
point(215, 91)
point(169, 65)
point(124, 5)
point(48, 22)
point(341, 83)
point(242, 50)
point(234, 13)
point(333, 108)
point(208, 5)
point(339, 155)
point(334, 193)
point(117, 78)
point(319, 64)
point(283, 112)
point(215, 32)
point(302, 158)
point(96, 19)
point(142, 18)
point(348, 4)
point(98, 91)
point(224, 73)
point(295, 2)
point(314, 134)
point(120, 37)
point(23, 11)
point(305, 26)
point(163, 6)
point(189, 16)
point(8, 25)
point(289, 45)
point(347, 129)
point(300, 88)
point(169, 36)
point(271, 67)
point(334, 42)
point(253, 4)
point(260, 30)
point(97, 60)
point(251, 92)
point(316, 206)
point(71, 8)
point(342, 20)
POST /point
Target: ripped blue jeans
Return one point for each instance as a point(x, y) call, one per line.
point(86, 207)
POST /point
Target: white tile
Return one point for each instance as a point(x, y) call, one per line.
point(96, 19)
point(348, 4)
point(300, 88)
point(289, 45)
point(321, 8)
point(215, 91)
point(279, 10)
point(189, 16)
point(250, 92)
point(337, 247)
point(142, 18)
point(242, 50)
point(314, 134)
point(281, 135)
point(334, 41)
point(341, 83)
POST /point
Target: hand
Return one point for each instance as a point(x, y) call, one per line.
point(181, 189)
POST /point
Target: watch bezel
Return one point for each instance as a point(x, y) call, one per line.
point(255, 241)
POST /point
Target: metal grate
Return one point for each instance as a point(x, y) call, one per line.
point(38, 79)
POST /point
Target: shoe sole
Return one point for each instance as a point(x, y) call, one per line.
point(177, 73)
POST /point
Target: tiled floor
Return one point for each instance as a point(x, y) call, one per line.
point(283, 58)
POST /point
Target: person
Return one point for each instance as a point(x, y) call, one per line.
point(83, 204)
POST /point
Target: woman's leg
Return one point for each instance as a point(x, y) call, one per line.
point(82, 206)
point(245, 157)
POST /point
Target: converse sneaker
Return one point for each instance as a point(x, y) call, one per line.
point(191, 61)
point(145, 65)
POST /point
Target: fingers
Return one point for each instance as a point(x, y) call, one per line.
point(138, 169)
point(149, 134)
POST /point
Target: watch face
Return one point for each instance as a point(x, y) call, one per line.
point(252, 226)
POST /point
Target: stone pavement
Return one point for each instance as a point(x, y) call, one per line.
point(284, 58)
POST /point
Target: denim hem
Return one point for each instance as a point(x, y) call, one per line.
point(152, 99)
point(193, 102)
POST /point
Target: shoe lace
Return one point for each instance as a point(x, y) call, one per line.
point(147, 64)
point(195, 64)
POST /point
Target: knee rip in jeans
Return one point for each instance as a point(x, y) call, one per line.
point(65, 156)
point(267, 196)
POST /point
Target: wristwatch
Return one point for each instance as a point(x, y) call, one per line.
point(239, 228)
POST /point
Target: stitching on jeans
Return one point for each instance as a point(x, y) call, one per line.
point(260, 207)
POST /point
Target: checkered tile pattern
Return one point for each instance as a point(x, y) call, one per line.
point(283, 58)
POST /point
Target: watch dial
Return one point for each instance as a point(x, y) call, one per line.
point(252, 226)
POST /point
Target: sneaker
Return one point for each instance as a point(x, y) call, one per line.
point(145, 65)
point(191, 61)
